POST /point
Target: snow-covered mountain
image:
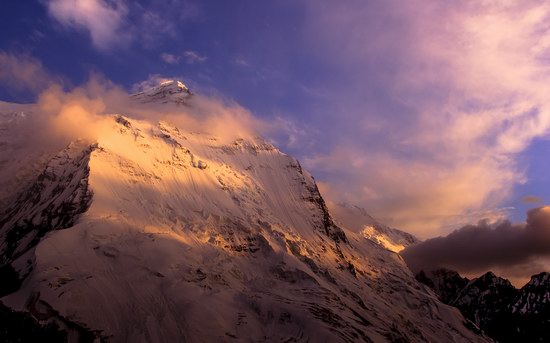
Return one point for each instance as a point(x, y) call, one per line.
point(534, 296)
point(152, 233)
point(505, 313)
point(167, 92)
point(357, 219)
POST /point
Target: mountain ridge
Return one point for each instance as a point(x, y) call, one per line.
point(504, 312)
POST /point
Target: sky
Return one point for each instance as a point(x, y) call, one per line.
point(432, 115)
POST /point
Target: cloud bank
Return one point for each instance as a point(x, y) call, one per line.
point(501, 246)
point(61, 115)
point(435, 102)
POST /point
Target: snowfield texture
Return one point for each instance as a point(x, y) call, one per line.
point(156, 234)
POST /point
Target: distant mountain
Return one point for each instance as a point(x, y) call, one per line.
point(503, 312)
point(357, 219)
point(153, 233)
point(446, 283)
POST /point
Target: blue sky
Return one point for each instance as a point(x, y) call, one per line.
point(430, 115)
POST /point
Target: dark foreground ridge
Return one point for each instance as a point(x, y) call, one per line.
point(503, 312)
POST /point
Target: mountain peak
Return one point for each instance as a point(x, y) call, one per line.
point(539, 280)
point(178, 85)
point(489, 279)
point(170, 91)
point(488, 276)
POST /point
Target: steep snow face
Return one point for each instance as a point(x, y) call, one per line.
point(167, 92)
point(357, 219)
point(191, 238)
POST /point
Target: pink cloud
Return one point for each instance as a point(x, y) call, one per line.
point(170, 58)
point(24, 73)
point(103, 20)
point(469, 85)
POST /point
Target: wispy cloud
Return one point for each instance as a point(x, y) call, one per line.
point(103, 20)
point(153, 81)
point(193, 57)
point(113, 24)
point(170, 58)
point(190, 57)
point(24, 73)
point(436, 106)
point(241, 61)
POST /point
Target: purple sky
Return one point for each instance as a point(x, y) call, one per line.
point(431, 115)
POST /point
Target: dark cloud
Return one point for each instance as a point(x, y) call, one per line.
point(478, 248)
point(531, 199)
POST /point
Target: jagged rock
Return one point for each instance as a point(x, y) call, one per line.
point(446, 283)
point(495, 305)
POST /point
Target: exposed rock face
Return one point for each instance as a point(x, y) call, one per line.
point(54, 201)
point(446, 283)
point(495, 305)
point(156, 234)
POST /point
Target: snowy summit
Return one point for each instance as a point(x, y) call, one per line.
point(171, 91)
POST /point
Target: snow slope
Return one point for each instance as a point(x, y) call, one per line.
point(357, 219)
point(187, 237)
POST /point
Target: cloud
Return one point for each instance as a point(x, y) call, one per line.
point(422, 196)
point(64, 114)
point(211, 114)
point(531, 199)
point(115, 24)
point(434, 100)
point(104, 20)
point(79, 113)
point(170, 58)
point(192, 57)
point(152, 81)
point(504, 246)
point(23, 73)
point(241, 62)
